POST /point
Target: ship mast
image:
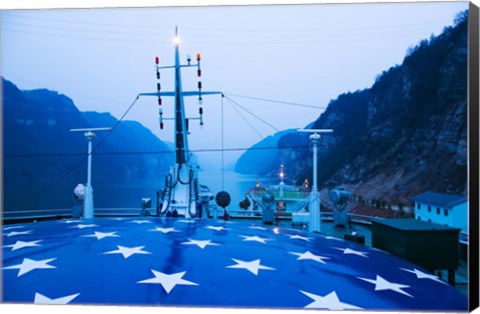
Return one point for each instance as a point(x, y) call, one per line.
point(181, 141)
point(180, 194)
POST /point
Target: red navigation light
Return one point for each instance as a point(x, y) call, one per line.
point(198, 57)
point(199, 72)
point(157, 60)
point(161, 125)
point(159, 101)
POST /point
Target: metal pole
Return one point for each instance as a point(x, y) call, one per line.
point(88, 210)
point(315, 179)
point(89, 166)
point(314, 224)
point(314, 208)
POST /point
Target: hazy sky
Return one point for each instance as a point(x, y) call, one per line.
point(302, 54)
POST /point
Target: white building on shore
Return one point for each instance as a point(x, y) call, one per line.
point(444, 209)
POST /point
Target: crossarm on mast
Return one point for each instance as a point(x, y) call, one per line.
point(187, 93)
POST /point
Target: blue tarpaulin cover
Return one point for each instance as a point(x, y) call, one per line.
point(207, 263)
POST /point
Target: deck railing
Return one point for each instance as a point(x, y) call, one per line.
point(102, 212)
point(45, 214)
point(285, 194)
point(214, 212)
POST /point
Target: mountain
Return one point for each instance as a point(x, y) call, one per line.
point(269, 149)
point(132, 147)
point(404, 135)
point(41, 156)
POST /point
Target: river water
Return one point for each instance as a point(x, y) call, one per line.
point(129, 194)
point(126, 194)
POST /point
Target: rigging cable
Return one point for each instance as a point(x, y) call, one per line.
point(72, 169)
point(246, 120)
point(116, 124)
point(279, 102)
point(323, 108)
point(206, 150)
point(254, 115)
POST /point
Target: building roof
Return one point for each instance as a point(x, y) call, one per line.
point(411, 224)
point(440, 199)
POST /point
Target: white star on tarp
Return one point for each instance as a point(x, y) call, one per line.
point(101, 235)
point(12, 227)
point(80, 226)
point(187, 221)
point(382, 284)
point(22, 244)
point(308, 255)
point(333, 238)
point(422, 275)
point(141, 222)
point(15, 233)
point(28, 265)
point(258, 228)
point(350, 251)
point(299, 237)
point(69, 221)
point(254, 238)
point(252, 266)
point(330, 302)
point(200, 243)
point(41, 299)
point(164, 230)
point(219, 228)
point(128, 251)
point(168, 282)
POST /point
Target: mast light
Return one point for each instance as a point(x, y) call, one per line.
point(176, 41)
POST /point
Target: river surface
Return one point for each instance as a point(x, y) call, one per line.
point(126, 194)
point(129, 194)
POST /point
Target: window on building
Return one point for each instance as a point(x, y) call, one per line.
point(445, 212)
point(429, 208)
point(438, 211)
